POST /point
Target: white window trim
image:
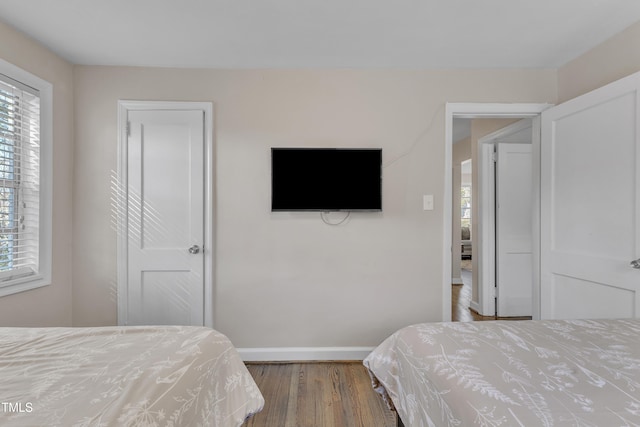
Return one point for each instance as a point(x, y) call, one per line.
point(43, 277)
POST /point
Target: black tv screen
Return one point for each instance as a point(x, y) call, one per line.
point(326, 179)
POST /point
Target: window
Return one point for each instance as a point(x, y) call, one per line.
point(465, 197)
point(25, 180)
point(465, 205)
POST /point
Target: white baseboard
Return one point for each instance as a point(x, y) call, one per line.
point(473, 305)
point(290, 354)
point(457, 281)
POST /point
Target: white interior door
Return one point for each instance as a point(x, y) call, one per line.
point(514, 229)
point(165, 217)
point(590, 204)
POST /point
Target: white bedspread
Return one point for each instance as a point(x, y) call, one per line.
point(123, 376)
point(512, 373)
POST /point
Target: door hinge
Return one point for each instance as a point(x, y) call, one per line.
point(128, 128)
point(494, 157)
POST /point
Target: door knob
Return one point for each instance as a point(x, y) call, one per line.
point(635, 263)
point(195, 249)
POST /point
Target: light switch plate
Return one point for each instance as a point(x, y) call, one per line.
point(427, 202)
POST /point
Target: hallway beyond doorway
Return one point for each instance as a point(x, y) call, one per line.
point(461, 298)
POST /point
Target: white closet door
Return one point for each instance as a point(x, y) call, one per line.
point(165, 217)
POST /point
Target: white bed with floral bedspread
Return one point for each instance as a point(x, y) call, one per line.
point(123, 376)
point(512, 373)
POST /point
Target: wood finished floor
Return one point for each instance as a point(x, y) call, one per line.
point(323, 394)
point(461, 300)
point(334, 394)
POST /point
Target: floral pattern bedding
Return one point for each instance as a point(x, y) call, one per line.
point(512, 373)
point(123, 376)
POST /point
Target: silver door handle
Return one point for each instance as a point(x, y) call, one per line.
point(635, 263)
point(194, 249)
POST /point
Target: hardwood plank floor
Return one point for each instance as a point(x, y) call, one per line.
point(333, 394)
point(461, 299)
point(322, 394)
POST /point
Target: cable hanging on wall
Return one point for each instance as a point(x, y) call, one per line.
point(415, 142)
point(326, 220)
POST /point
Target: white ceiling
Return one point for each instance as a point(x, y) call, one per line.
point(321, 33)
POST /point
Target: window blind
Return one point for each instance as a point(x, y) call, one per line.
point(19, 179)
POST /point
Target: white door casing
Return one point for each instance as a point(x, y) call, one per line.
point(164, 173)
point(488, 110)
point(514, 227)
point(590, 204)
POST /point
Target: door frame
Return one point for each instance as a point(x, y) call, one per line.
point(488, 110)
point(119, 189)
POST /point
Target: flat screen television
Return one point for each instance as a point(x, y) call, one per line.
point(326, 179)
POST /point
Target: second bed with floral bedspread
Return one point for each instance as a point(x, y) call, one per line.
point(512, 373)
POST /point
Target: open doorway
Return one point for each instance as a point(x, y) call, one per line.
point(488, 118)
point(498, 177)
point(504, 194)
point(462, 253)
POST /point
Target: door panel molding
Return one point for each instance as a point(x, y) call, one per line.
point(514, 232)
point(120, 199)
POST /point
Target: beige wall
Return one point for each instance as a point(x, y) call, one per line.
point(50, 305)
point(289, 279)
point(615, 58)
